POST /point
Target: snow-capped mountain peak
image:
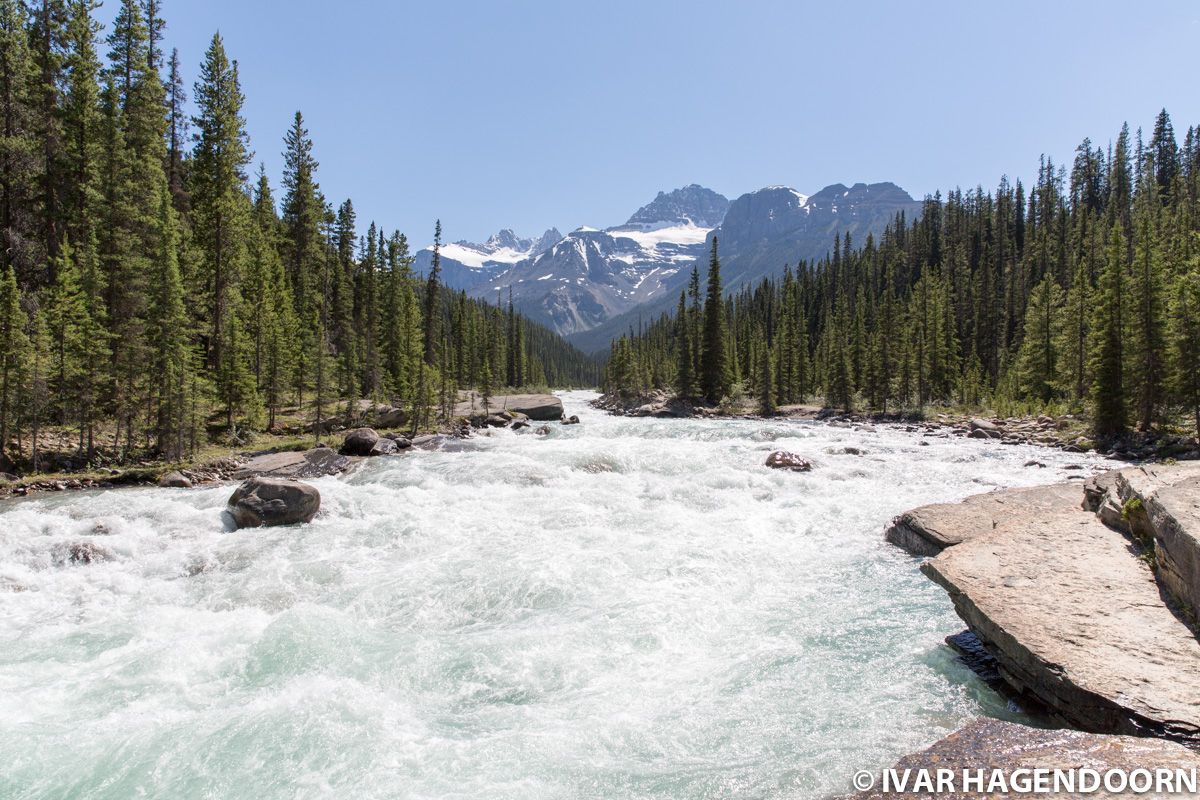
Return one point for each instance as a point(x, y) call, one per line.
point(465, 264)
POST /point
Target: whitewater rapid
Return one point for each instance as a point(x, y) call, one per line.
point(627, 608)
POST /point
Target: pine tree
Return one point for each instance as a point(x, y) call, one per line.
point(19, 146)
point(1184, 335)
point(177, 134)
point(14, 353)
point(219, 201)
point(1039, 357)
point(715, 376)
point(766, 380)
point(167, 325)
point(1108, 385)
point(1146, 317)
point(431, 313)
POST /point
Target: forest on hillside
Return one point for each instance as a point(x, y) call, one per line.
point(1079, 294)
point(154, 295)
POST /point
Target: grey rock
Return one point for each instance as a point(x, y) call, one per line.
point(384, 447)
point(262, 501)
point(540, 407)
point(81, 553)
point(359, 442)
point(295, 464)
point(175, 480)
point(1007, 746)
point(782, 459)
point(928, 530)
point(1076, 620)
point(391, 418)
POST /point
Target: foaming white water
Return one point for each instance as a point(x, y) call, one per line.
point(624, 608)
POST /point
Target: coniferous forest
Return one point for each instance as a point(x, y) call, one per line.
point(1079, 293)
point(154, 293)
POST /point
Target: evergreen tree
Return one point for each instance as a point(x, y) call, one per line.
point(1108, 384)
point(1184, 332)
point(766, 382)
point(715, 376)
point(1039, 357)
point(14, 353)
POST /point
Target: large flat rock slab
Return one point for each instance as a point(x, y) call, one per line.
point(928, 530)
point(1076, 619)
point(1174, 513)
point(992, 744)
point(295, 464)
point(542, 407)
point(1161, 503)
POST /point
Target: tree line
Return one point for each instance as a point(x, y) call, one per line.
point(1082, 293)
point(152, 291)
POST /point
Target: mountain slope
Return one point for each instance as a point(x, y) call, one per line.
point(592, 275)
point(762, 231)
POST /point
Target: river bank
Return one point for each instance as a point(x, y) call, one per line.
point(287, 453)
point(1067, 432)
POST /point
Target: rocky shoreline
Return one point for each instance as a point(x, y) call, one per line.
point(1085, 600)
point(358, 442)
point(1066, 432)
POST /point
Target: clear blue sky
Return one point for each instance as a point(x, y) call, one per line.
point(532, 114)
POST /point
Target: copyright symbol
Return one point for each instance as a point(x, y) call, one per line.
point(863, 780)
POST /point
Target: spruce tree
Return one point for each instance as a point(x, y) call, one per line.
point(766, 381)
point(1184, 335)
point(1039, 357)
point(714, 367)
point(1109, 415)
point(14, 353)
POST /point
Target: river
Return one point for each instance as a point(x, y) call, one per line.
point(626, 608)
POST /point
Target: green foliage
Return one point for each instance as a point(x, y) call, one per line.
point(1077, 294)
point(146, 284)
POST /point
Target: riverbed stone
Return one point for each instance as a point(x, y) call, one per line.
point(262, 501)
point(992, 744)
point(928, 530)
point(782, 459)
point(1075, 619)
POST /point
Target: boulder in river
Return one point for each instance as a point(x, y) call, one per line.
point(782, 459)
point(360, 442)
point(571, 420)
point(384, 447)
point(175, 480)
point(81, 553)
point(262, 501)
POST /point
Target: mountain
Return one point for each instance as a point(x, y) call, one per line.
point(693, 204)
point(592, 275)
point(466, 265)
point(762, 231)
point(777, 225)
point(592, 285)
